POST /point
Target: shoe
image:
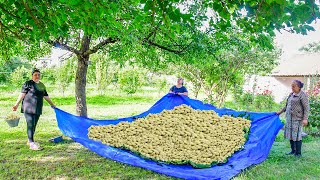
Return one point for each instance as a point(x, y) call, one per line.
point(35, 146)
point(298, 149)
point(293, 147)
point(291, 153)
point(298, 155)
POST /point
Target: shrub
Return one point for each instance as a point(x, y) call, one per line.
point(48, 76)
point(63, 76)
point(161, 85)
point(130, 80)
point(264, 102)
point(19, 76)
point(245, 100)
point(313, 127)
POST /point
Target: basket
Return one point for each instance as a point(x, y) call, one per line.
point(13, 122)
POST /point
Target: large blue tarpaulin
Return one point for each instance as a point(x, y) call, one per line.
point(264, 128)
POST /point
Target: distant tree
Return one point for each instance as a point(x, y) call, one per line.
point(130, 80)
point(218, 73)
point(311, 47)
point(19, 76)
point(8, 66)
point(105, 72)
point(64, 75)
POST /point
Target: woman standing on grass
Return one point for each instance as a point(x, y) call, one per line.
point(32, 94)
point(179, 88)
point(297, 112)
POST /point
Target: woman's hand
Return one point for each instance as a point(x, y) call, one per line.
point(305, 122)
point(20, 98)
point(15, 107)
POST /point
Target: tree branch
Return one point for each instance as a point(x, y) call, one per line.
point(14, 33)
point(31, 14)
point(153, 33)
point(163, 47)
point(64, 46)
point(8, 12)
point(101, 45)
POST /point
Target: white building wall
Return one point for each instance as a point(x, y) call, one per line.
point(280, 87)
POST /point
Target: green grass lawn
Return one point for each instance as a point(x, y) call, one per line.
point(69, 160)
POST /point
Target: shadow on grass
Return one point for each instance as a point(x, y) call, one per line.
point(67, 159)
point(103, 100)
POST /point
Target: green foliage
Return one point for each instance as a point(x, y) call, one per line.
point(102, 71)
point(161, 84)
point(256, 102)
point(29, 26)
point(196, 76)
point(244, 100)
point(222, 67)
point(313, 127)
point(48, 75)
point(313, 47)
point(314, 112)
point(19, 76)
point(152, 33)
point(130, 80)
point(8, 66)
point(264, 102)
point(64, 75)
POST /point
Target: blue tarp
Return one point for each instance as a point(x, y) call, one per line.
point(264, 128)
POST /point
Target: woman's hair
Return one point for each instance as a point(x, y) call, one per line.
point(35, 70)
point(181, 79)
point(299, 83)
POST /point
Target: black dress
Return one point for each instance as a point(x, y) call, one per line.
point(176, 90)
point(33, 101)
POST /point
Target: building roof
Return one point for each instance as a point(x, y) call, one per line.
point(299, 65)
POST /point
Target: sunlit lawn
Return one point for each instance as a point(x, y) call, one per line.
point(69, 160)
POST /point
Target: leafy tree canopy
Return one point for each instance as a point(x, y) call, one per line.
point(27, 26)
point(153, 28)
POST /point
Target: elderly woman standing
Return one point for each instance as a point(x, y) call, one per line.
point(32, 94)
point(297, 111)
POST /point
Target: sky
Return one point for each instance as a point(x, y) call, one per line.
point(290, 43)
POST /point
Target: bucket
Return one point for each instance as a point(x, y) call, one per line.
point(13, 122)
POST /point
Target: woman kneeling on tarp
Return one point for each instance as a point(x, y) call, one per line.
point(179, 88)
point(297, 111)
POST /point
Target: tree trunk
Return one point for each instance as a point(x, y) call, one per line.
point(81, 77)
point(81, 82)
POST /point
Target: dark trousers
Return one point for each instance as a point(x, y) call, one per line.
point(32, 120)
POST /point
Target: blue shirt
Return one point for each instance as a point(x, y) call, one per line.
point(174, 89)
